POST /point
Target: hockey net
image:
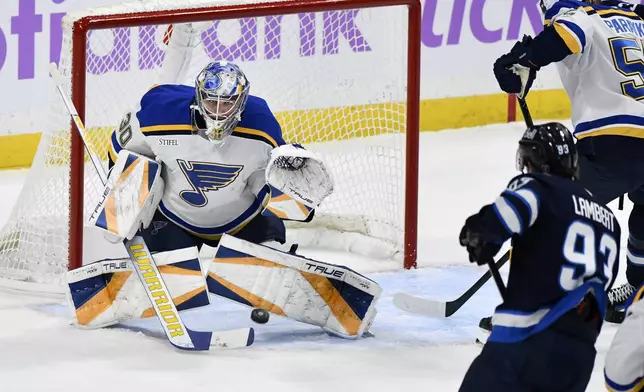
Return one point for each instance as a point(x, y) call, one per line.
point(341, 76)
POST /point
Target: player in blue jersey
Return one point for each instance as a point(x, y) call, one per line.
point(565, 246)
point(596, 47)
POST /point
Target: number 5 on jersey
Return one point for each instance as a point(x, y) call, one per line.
point(623, 49)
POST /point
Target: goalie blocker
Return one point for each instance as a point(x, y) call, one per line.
point(335, 298)
point(133, 191)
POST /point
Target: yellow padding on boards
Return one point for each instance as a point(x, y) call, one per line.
point(320, 125)
point(547, 104)
point(18, 151)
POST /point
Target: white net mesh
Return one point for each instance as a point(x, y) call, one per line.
point(335, 79)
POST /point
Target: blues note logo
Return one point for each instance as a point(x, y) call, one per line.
point(205, 177)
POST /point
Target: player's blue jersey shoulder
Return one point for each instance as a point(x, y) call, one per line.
point(165, 109)
point(259, 123)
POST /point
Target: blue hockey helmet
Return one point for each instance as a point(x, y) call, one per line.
point(222, 92)
point(548, 148)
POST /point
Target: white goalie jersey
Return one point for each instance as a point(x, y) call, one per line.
point(605, 84)
point(209, 189)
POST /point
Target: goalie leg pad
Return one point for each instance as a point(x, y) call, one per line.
point(339, 300)
point(130, 199)
point(109, 292)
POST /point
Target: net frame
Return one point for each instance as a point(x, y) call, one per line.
point(83, 24)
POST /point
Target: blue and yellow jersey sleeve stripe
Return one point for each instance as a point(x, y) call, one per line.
point(635, 386)
point(620, 125)
point(259, 123)
point(256, 134)
point(571, 34)
point(168, 129)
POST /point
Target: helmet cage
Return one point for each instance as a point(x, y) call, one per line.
point(222, 93)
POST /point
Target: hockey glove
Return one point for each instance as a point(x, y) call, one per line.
point(300, 174)
point(480, 251)
point(515, 71)
point(290, 163)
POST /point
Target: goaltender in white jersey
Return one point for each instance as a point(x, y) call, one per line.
point(211, 188)
point(194, 165)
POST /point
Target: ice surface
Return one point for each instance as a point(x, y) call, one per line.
point(460, 170)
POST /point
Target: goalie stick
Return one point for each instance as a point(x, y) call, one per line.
point(178, 334)
point(432, 308)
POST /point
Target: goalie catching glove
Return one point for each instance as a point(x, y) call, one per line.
point(300, 174)
point(130, 199)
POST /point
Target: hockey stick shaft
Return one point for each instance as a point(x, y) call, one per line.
point(527, 117)
point(428, 307)
point(142, 260)
point(80, 127)
point(497, 278)
point(452, 307)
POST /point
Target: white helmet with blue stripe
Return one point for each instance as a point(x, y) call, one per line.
point(222, 92)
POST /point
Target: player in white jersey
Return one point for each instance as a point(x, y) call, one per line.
point(195, 165)
point(212, 187)
point(597, 49)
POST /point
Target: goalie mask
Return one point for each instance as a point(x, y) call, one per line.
point(221, 95)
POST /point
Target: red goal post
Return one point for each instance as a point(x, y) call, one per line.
point(85, 24)
point(360, 113)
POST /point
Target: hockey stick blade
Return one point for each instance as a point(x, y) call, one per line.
point(418, 305)
point(236, 338)
point(432, 308)
point(148, 273)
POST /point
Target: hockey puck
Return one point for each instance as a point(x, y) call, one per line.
point(260, 316)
